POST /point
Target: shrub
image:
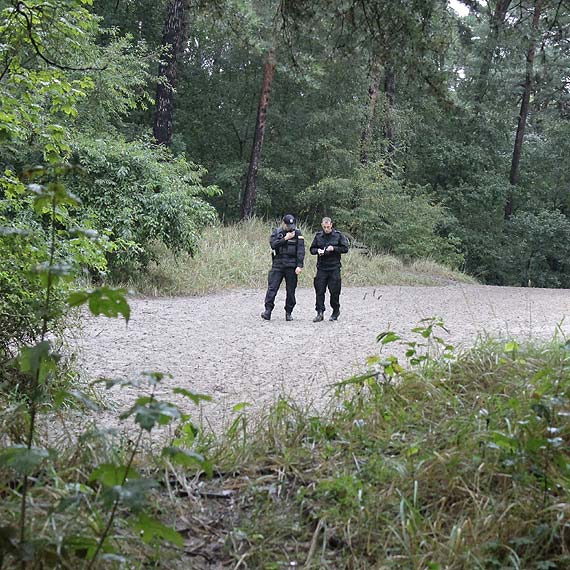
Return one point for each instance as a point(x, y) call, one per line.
point(538, 249)
point(387, 215)
point(141, 194)
point(26, 247)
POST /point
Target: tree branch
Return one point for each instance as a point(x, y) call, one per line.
point(30, 29)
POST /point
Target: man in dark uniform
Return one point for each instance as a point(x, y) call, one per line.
point(328, 245)
point(288, 252)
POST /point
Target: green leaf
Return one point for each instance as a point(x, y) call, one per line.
point(186, 434)
point(39, 361)
point(149, 412)
point(112, 475)
point(387, 337)
point(154, 378)
point(22, 459)
point(187, 458)
point(77, 298)
point(64, 395)
point(152, 530)
point(31, 358)
point(132, 493)
point(500, 440)
point(108, 302)
point(196, 398)
point(82, 546)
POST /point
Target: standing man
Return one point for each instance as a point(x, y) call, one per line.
point(328, 245)
point(288, 252)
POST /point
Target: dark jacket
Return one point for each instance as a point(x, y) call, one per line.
point(287, 253)
point(330, 259)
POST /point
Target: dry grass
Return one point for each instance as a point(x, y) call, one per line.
point(238, 256)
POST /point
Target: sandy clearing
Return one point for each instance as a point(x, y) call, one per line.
point(218, 345)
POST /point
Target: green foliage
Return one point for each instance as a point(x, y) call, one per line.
point(76, 521)
point(102, 301)
point(141, 194)
point(38, 94)
point(527, 250)
point(121, 83)
point(386, 215)
point(27, 248)
point(538, 248)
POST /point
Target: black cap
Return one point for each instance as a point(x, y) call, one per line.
point(289, 220)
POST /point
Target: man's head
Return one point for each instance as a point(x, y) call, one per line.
point(327, 225)
point(289, 222)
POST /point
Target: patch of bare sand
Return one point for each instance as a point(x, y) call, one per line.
point(218, 344)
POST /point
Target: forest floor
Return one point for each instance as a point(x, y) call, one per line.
point(218, 344)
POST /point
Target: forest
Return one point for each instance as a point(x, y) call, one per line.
point(128, 128)
point(422, 133)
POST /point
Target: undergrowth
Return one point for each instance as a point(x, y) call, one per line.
point(444, 459)
point(453, 461)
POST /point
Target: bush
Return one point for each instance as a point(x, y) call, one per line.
point(538, 249)
point(528, 249)
point(25, 249)
point(141, 195)
point(386, 215)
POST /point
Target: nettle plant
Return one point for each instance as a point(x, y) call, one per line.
point(62, 507)
point(426, 348)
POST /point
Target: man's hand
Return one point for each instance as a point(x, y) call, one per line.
point(330, 248)
point(289, 235)
point(320, 251)
point(298, 270)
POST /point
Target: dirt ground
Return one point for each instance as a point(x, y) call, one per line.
point(218, 344)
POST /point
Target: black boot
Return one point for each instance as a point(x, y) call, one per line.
point(288, 317)
point(319, 317)
point(334, 316)
point(266, 315)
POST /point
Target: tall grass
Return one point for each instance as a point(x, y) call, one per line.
point(238, 256)
point(453, 463)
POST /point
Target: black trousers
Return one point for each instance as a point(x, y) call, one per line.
point(276, 276)
point(327, 278)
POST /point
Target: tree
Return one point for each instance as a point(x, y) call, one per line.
point(250, 190)
point(173, 39)
point(496, 23)
point(366, 136)
point(525, 101)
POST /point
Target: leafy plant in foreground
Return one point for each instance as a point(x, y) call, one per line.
point(113, 488)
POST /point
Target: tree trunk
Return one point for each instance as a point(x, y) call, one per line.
point(390, 92)
point(523, 114)
point(250, 190)
point(174, 36)
point(496, 24)
point(366, 136)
